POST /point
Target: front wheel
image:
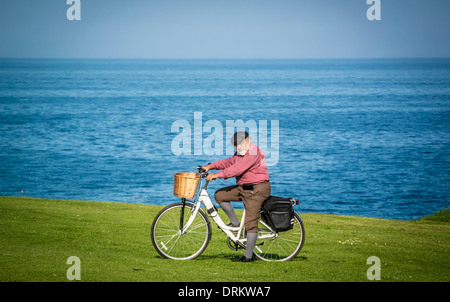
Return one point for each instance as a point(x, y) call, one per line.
point(168, 239)
point(282, 246)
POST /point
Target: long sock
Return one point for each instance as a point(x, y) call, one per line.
point(228, 209)
point(251, 241)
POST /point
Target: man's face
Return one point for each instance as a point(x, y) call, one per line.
point(243, 147)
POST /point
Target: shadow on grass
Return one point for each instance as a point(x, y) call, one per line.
point(229, 256)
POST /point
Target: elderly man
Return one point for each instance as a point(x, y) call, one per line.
point(248, 166)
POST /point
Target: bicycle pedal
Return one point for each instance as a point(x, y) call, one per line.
point(234, 246)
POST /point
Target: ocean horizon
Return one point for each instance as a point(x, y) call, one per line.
point(359, 137)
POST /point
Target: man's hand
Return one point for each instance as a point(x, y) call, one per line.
point(211, 176)
point(206, 168)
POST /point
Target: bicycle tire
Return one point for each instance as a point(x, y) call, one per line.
point(285, 246)
point(167, 238)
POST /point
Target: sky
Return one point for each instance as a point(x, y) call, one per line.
point(224, 29)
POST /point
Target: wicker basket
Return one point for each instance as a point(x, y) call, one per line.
point(185, 184)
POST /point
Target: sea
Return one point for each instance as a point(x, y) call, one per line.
point(359, 137)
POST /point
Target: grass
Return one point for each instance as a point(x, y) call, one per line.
point(113, 243)
point(441, 216)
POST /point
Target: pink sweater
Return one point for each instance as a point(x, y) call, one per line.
point(248, 169)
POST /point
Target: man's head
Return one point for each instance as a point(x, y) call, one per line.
point(241, 141)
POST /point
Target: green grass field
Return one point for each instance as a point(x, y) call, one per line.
point(112, 241)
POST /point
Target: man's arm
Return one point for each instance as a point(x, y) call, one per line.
point(241, 165)
point(220, 164)
point(223, 164)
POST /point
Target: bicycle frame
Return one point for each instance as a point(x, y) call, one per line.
point(203, 197)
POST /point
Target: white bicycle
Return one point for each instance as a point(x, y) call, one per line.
point(182, 231)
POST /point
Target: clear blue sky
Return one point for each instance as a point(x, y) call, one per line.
point(224, 29)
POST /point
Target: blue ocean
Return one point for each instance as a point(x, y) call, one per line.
point(361, 137)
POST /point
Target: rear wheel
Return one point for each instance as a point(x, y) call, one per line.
point(282, 246)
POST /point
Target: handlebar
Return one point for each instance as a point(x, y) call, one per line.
point(201, 172)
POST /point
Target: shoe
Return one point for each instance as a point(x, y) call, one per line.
point(231, 225)
point(243, 259)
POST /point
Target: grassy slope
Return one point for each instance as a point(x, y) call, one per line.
point(113, 243)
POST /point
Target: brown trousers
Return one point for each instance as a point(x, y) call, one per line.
point(253, 201)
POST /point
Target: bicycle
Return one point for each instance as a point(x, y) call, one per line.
point(182, 231)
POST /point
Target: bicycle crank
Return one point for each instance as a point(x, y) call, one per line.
point(233, 245)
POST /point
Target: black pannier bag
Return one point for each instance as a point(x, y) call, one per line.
point(278, 213)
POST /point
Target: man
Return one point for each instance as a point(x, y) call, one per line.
point(248, 165)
